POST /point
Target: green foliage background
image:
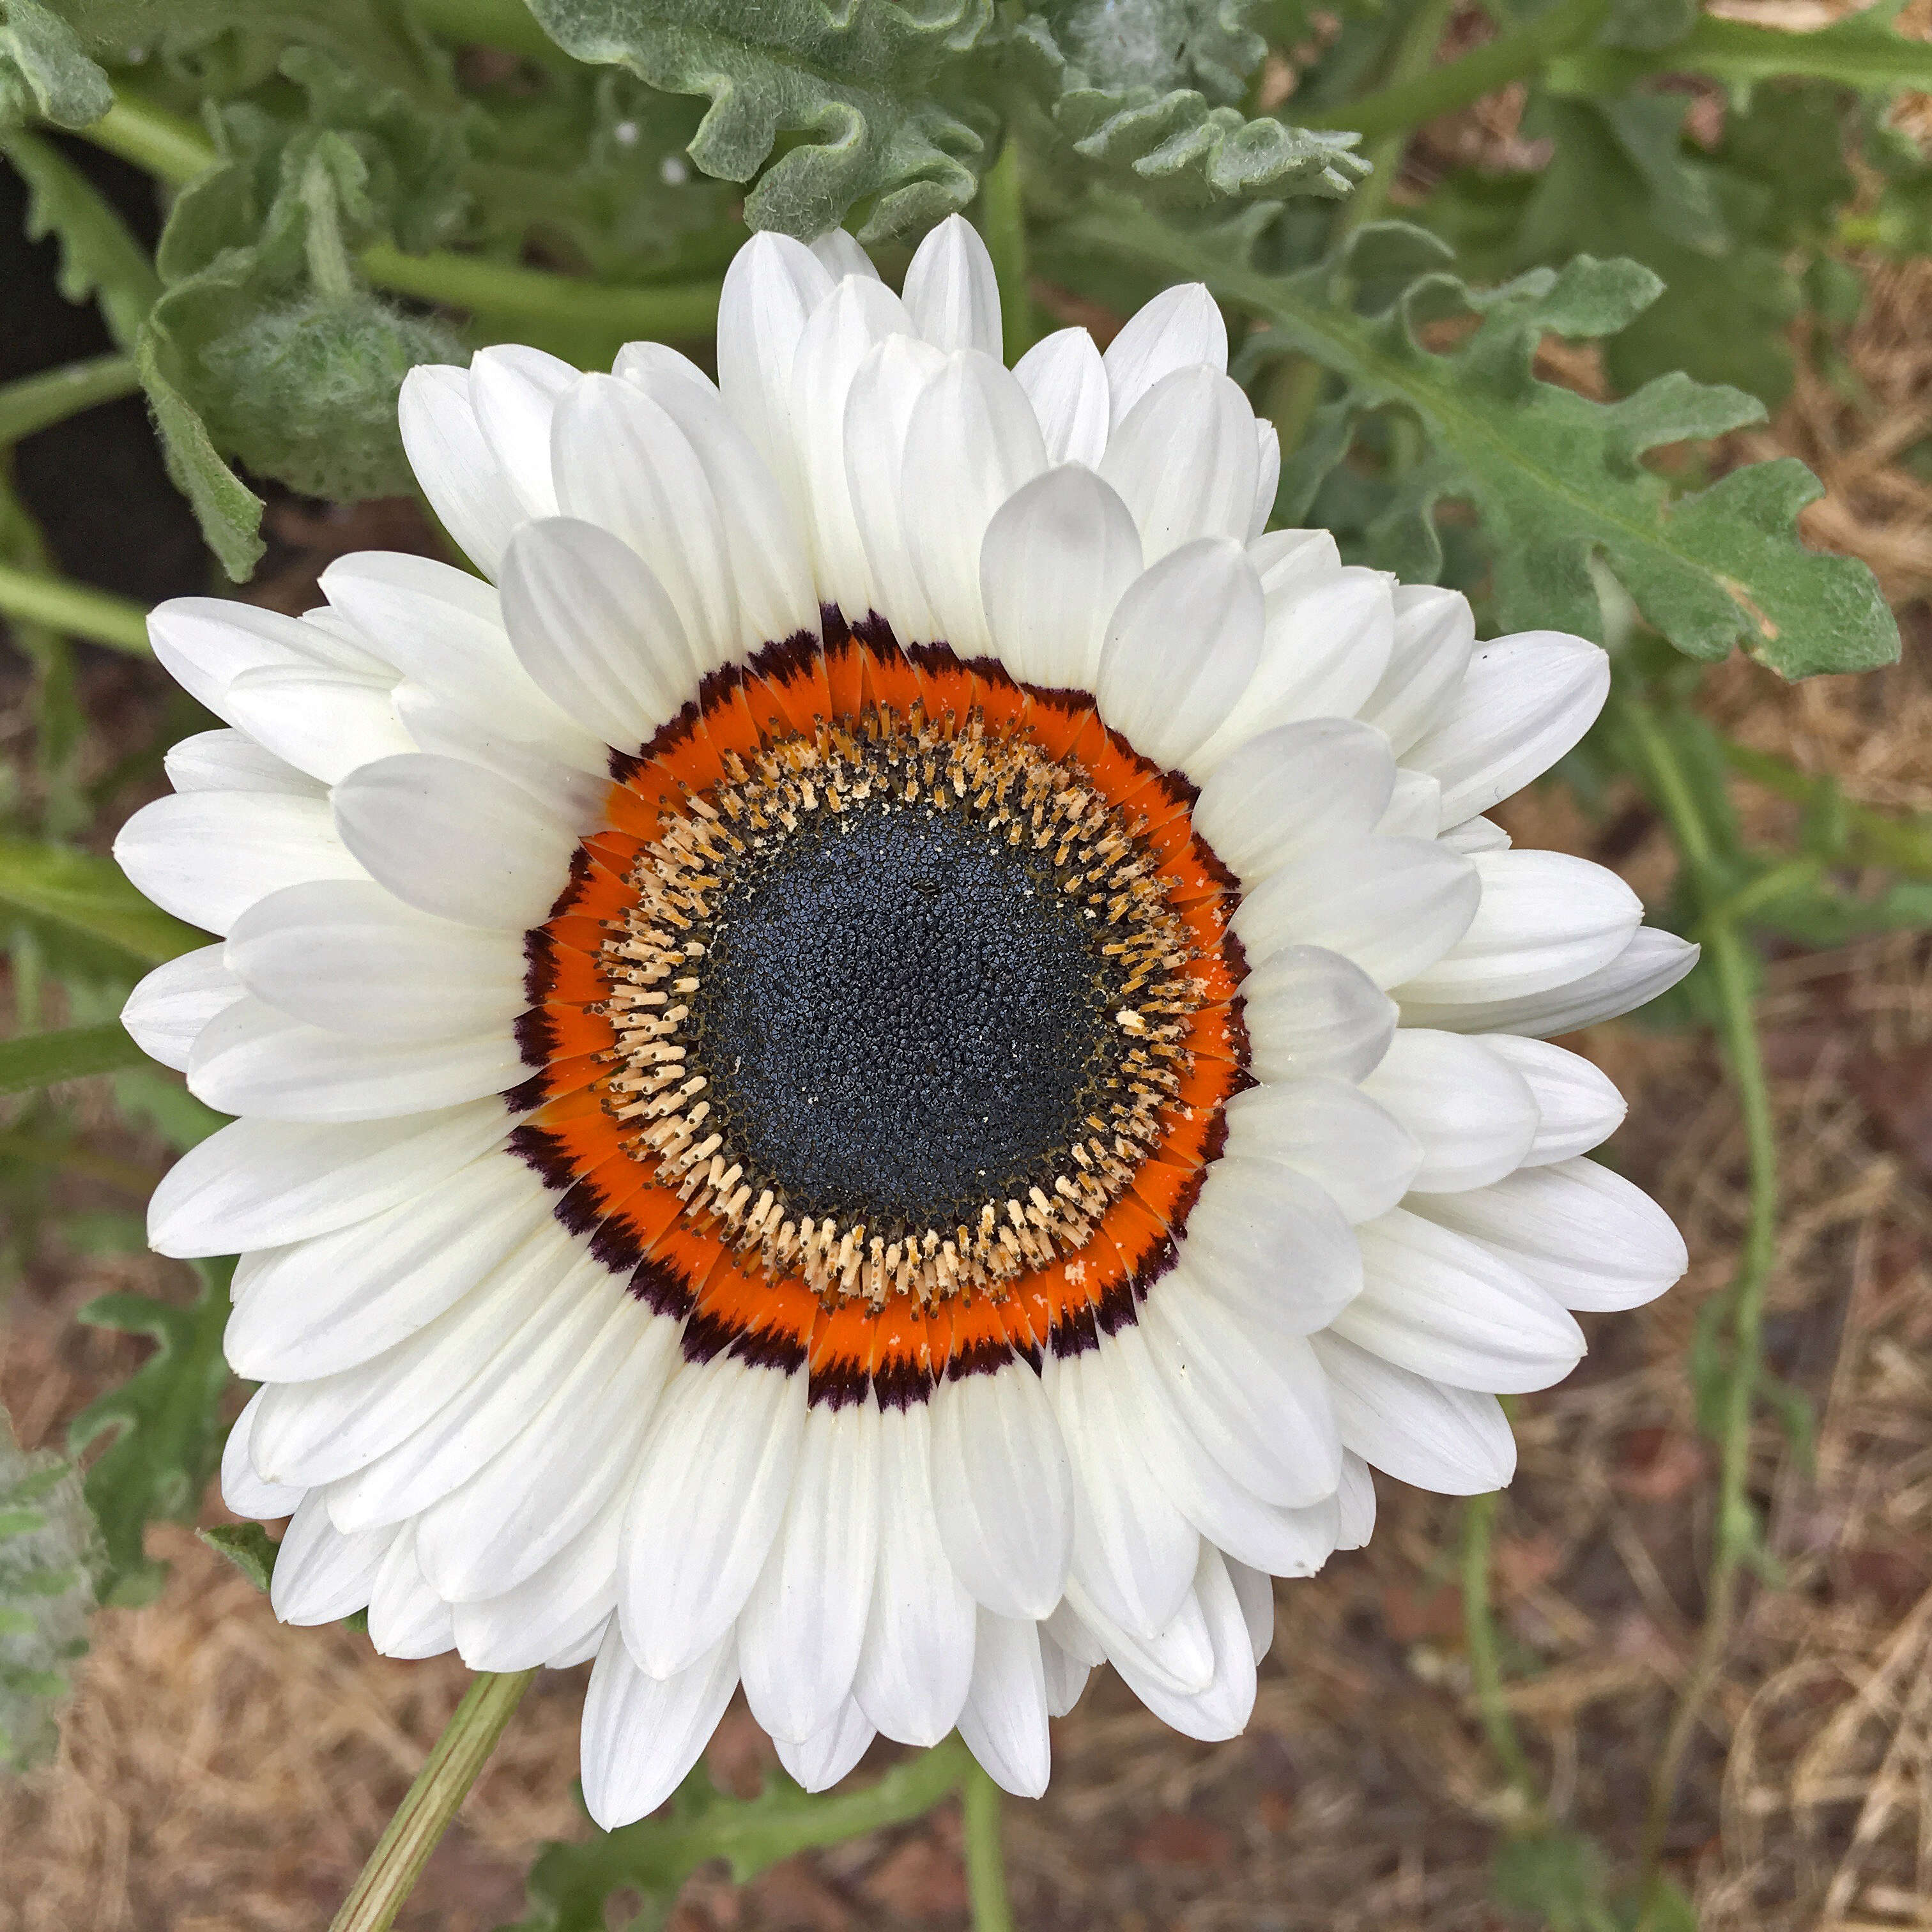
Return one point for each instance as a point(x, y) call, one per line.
point(355, 186)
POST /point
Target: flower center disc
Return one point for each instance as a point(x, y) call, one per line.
point(894, 986)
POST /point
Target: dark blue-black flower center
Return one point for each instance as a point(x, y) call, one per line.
point(902, 1016)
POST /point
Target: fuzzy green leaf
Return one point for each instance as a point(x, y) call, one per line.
point(229, 512)
point(39, 1060)
point(50, 1554)
point(80, 893)
point(44, 68)
point(1556, 478)
point(856, 81)
point(247, 1546)
point(98, 257)
point(166, 1425)
point(569, 1883)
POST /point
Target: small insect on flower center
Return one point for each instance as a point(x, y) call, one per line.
point(893, 982)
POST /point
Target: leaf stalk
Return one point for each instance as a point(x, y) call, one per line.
point(35, 403)
point(76, 609)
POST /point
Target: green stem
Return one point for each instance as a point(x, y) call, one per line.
point(432, 1801)
point(174, 149)
point(80, 612)
point(1729, 964)
point(1415, 95)
point(676, 309)
point(37, 1151)
point(986, 1861)
point(36, 403)
point(1903, 843)
point(507, 25)
point(32, 1060)
point(1412, 63)
point(1479, 1632)
point(327, 259)
point(1003, 220)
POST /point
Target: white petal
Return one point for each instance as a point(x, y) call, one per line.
point(1267, 476)
point(1324, 644)
point(322, 722)
point(1180, 327)
point(717, 1475)
point(465, 486)
point(242, 1489)
point(173, 1004)
point(917, 1659)
point(495, 1402)
point(1179, 1656)
point(950, 290)
point(819, 1761)
point(1066, 383)
point(623, 462)
point(859, 316)
point(1289, 561)
point(776, 598)
point(1004, 1722)
point(1440, 1305)
point(317, 1306)
point(406, 1618)
point(1310, 1012)
point(1291, 790)
point(1002, 1489)
point(1133, 1552)
point(1185, 461)
point(1470, 1112)
point(1065, 1678)
point(444, 630)
point(556, 1611)
point(1434, 633)
point(232, 761)
point(515, 392)
point(336, 1425)
point(1393, 906)
point(972, 441)
point(257, 1183)
point(842, 255)
point(251, 1059)
point(1270, 1243)
point(1546, 919)
point(207, 856)
point(1356, 1152)
point(1254, 1589)
point(321, 1575)
point(1356, 1495)
point(204, 643)
point(347, 955)
point(1585, 1236)
point(1222, 1709)
point(574, 1460)
point(642, 1734)
point(799, 1633)
point(595, 630)
point(1652, 963)
point(1454, 1442)
point(1524, 701)
point(773, 285)
point(1415, 810)
point(1286, 1542)
point(1056, 558)
point(455, 840)
point(572, 785)
point(1258, 1403)
point(878, 410)
point(1180, 648)
point(1577, 1105)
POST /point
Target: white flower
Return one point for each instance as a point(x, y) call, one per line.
point(886, 1066)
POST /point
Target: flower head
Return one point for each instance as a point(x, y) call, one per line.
point(886, 1062)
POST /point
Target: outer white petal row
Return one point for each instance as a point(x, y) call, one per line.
point(475, 1432)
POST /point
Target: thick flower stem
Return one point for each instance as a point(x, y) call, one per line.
point(1412, 62)
point(986, 1861)
point(1003, 220)
point(1479, 1631)
point(1415, 95)
point(431, 1802)
point(1728, 959)
point(74, 608)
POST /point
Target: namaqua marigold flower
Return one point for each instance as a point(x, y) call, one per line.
point(884, 1062)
